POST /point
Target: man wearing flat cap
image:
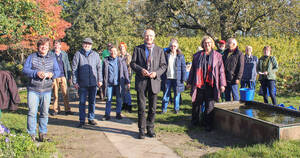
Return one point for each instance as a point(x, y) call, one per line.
point(87, 76)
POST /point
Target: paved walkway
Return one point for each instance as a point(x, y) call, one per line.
point(113, 138)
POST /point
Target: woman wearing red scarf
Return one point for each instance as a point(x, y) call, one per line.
point(207, 80)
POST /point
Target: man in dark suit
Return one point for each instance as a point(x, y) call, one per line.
point(148, 61)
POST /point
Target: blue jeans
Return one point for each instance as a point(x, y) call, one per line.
point(248, 84)
point(269, 85)
point(83, 93)
point(232, 89)
point(35, 100)
point(110, 90)
point(170, 83)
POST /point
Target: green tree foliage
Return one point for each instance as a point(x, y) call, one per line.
point(221, 18)
point(103, 21)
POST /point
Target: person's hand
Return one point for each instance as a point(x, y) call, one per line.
point(76, 86)
point(266, 73)
point(99, 84)
point(237, 81)
point(222, 88)
point(188, 86)
point(152, 75)
point(70, 81)
point(145, 72)
point(50, 75)
point(128, 85)
point(41, 74)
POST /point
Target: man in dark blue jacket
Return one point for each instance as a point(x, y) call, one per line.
point(87, 75)
point(41, 68)
point(233, 60)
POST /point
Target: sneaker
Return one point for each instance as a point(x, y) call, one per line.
point(164, 111)
point(119, 117)
point(176, 111)
point(69, 113)
point(92, 122)
point(43, 138)
point(81, 124)
point(53, 113)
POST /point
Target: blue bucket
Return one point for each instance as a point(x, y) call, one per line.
point(247, 94)
point(291, 107)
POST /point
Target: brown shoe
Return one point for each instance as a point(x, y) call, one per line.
point(43, 138)
point(33, 138)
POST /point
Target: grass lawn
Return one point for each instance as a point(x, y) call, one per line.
point(171, 123)
point(20, 144)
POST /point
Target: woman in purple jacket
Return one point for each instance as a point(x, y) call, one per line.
point(207, 79)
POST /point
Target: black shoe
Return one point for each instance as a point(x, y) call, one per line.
point(129, 108)
point(151, 134)
point(119, 117)
point(107, 117)
point(53, 113)
point(141, 135)
point(92, 122)
point(43, 138)
point(81, 124)
point(69, 113)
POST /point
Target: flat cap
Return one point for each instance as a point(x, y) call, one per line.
point(88, 40)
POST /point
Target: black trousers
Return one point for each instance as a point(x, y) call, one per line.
point(152, 99)
point(206, 97)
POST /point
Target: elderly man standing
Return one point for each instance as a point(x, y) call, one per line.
point(87, 75)
point(41, 68)
point(61, 80)
point(234, 66)
point(149, 63)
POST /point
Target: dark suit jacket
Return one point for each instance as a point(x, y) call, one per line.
point(158, 65)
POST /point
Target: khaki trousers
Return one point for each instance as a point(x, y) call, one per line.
point(62, 83)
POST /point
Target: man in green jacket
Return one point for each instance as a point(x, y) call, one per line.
point(61, 81)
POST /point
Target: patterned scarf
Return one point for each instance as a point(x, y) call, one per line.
point(204, 71)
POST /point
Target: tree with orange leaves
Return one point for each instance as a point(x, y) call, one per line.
point(23, 22)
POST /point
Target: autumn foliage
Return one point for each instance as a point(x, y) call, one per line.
point(49, 24)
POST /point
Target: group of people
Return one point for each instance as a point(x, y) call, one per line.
point(213, 74)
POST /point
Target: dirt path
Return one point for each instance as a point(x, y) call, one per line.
point(73, 142)
point(108, 139)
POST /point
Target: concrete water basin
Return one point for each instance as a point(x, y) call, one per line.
point(257, 122)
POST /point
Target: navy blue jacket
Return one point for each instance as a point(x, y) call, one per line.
point(87, 70)
point(123, 73)
point(180, 72)
point(249, 73)
point(35, 63)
